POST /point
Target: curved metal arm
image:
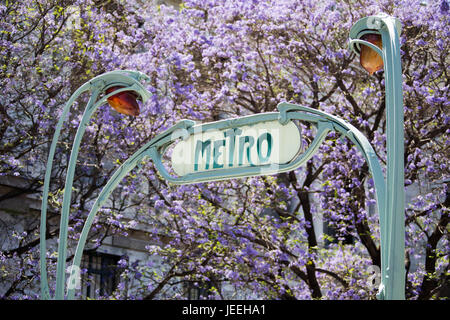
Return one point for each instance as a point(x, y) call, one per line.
point(45, 293)
point(62, 246)
point(291, 111)
point(130, 81)
point(112, 183)
point(324, 121)
point(124, 169)
point(367, 43)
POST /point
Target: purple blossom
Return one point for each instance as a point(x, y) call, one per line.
point(227, 59)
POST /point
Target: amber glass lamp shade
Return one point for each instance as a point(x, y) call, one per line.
point(369, 58)
point(124, 102)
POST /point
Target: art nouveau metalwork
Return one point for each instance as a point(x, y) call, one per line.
point(249, 146)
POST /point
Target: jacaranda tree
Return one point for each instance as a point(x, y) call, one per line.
point(210, 60)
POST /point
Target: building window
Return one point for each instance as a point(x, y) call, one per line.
point(101, 275)
point(333, 235)
point(196, 290)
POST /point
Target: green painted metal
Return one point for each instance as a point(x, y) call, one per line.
point(393, 230)
point(130, 80)
point(131, 163)
point(389, 194)
point(45, 294)
point(155, 149)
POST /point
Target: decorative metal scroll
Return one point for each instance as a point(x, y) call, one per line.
point(261, 144)
point(187, 129)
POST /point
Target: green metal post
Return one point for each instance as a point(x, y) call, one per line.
point(393, 229)
point(128, 80)
point(288, 112)
point(65, 211)
point(45, 293)
point(390, 193)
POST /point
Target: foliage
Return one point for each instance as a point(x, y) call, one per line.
point(214, 59)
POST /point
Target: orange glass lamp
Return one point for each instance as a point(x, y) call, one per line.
point(124, 102)
point(369, 58)
point(369, 47)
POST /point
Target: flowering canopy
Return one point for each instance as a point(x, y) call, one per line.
point(209, 60)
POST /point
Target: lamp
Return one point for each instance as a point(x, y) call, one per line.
point(124, 102)
point(369, 58)
point(129, 88)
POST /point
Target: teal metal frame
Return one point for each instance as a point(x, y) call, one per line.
point(129, 80)
point(393, 255)
point(389, 192)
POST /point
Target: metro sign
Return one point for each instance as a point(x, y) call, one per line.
point(255, 145)
point(265, 143)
